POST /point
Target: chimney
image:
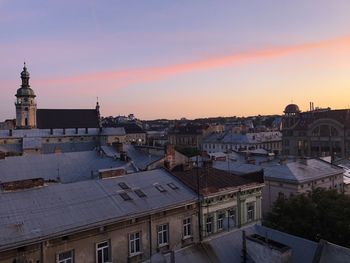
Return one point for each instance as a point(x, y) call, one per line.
point(76, 130)
point(86, 130)
point(64, 130)
point(51, 131)
point(10, 132)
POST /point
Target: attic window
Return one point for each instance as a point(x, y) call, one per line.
point(160, 188)
point(173, 186)
point(123, 186)
point(140, 193)
point(125, 196)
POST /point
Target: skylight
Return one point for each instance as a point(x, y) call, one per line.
point(173, 186)
point(140, 193)
point(125, 196)
point(160, 188)
point(123, 186)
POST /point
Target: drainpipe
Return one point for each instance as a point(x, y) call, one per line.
point(150, 237)
point(42, 252)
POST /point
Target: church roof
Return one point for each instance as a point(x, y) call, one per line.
point(67, 118)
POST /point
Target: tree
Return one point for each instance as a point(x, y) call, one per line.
point(320, 214)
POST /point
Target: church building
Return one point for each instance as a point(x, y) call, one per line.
point(54, 130)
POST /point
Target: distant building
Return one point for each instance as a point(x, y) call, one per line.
point(191, 135)
point(228, 201)
point(316, 133)
point(297, 177)
point(221, 142)
point(54, 130)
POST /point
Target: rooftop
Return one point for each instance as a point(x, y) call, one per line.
point(63, 167)
point(37, 214)
point(213, 180)
point(301, 171)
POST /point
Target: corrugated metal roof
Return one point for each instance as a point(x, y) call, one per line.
point(68, 167)
point(58, 209)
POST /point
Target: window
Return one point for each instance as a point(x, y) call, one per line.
point(160, 188)
point(187, 230)
point(209, 225)
point(232, 217)
point(162, 235)
point(66, 257)
point(139, 193)
point(250, 212)
point(135, 243)
point(123, 186)
point(125, 196)
point(102, 252)
point(221, 221)
point(173, 186)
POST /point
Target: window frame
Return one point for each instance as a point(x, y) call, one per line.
point(163, 235)
point(134, 241)
point(66, 259)
point(187, 227)
point(97, 249)
point(209, 224)
point(250, 218)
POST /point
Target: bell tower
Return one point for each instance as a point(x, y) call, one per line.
point(25, 103)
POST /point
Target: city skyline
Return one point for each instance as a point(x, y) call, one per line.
point(170, 60)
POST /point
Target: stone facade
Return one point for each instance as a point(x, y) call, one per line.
point(316, 133)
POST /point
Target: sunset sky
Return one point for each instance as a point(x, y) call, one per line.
point(173, 59)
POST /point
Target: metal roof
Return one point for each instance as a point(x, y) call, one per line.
point(67, 167)
point(140, 158)
point(301, 171)
point(227, 247)
point(55, 210)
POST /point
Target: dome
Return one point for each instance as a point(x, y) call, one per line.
point(25, 92)
point(292, 108)
point(24, 73)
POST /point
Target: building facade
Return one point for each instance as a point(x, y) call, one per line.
point(316, 133)
point(298, 177)
point(127, 218)
point(228, 201)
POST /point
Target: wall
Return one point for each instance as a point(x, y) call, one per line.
point(84, 243)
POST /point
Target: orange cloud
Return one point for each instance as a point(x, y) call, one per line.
point(122, 78)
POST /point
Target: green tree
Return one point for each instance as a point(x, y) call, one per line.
point(320, 214)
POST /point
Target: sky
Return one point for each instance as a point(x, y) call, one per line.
point(174, 59)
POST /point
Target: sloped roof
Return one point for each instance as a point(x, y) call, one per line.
point(328, 252)
point(67, 118)
point(213, 180)
point(68, 167)
point(140, 158)
point(38, 214)
point(301, 171)
point(227, 247)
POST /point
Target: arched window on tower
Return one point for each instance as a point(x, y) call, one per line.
point(26, 121)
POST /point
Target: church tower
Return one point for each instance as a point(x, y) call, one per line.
point(25, 103)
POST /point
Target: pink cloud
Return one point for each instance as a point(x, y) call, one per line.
point(121, 78)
